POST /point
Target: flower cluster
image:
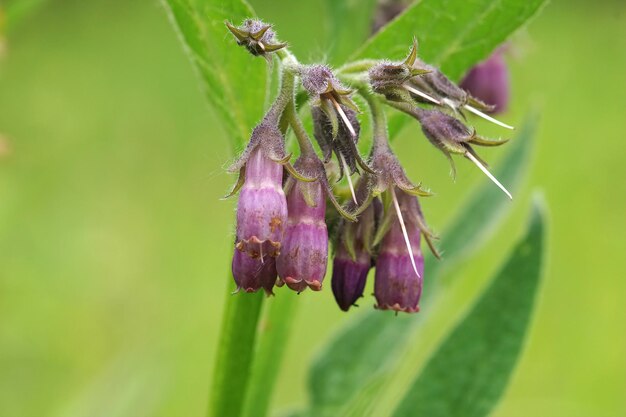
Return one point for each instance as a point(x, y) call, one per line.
point(283, 216)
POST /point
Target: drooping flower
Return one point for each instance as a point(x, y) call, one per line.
point(252, 274)
point(400, 265)
point(392, 79)
point(354, 253)
point(333, 108)
point(343, 144)
point(329, 95)
point(302, 261)
point(413, 79)
point(451, 136)
point(489, 82)
point(256, 36)
point(262, 207)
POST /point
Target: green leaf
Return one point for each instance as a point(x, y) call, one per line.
point(453, 35)
point(275, 327)
point(234, 80)
point(235, 354)
point(484, 209)
point(349, 24)
point(370, 345)
point(469, 372)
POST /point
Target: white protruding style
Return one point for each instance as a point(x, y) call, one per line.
point(346, 171)
point(487, 173)
point(344, 117)
point(404, 232)
point(421, 94)
point(486, 117)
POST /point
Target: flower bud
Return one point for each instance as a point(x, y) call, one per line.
point(329, 95)
point(489, 82)
point(257, 37)
point(302, 260)
point(353, 258)
point(444, 131)
point(399, 271)
point(343, 144)
point(390, 78)
point(262, 207)
point(253, 274)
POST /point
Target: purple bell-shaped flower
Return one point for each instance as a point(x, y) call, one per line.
point(353, 256)
point(304, 254)
point(253, 274)
point(400, 263)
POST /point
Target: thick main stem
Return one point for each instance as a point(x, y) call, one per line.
point(234, 354)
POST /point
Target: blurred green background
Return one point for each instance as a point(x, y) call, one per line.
point(115, 247)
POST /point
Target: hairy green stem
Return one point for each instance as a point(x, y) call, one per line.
point(274, 330)
point(407, 108)
point(234, 354)
point(357, 66)
point(379, 119)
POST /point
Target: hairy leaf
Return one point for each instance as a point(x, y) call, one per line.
point(469, 372)
point(369, 346)
point(234, 80)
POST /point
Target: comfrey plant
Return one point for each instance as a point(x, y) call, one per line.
point(282, 234)
point(319, 179)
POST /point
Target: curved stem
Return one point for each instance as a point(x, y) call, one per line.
point(379, 119)
point(357, 66)
point(298, 129)
point(407, 108)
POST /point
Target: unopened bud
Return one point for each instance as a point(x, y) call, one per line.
point(257, 37)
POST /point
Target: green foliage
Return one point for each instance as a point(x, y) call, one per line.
point(227, 72)
point(470, 369)
point(452, 34)
point(350, 373)
point(349, 25)
point(366, 350)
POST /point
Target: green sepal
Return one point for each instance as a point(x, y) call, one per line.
point(410, 60)
point(259, 33)
point(294, 173)
point(241, 35)
point(348, 239)
point(385, 222)
point(308, 194)
point(240, 181)
point(417, 190)
point(480, 141)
